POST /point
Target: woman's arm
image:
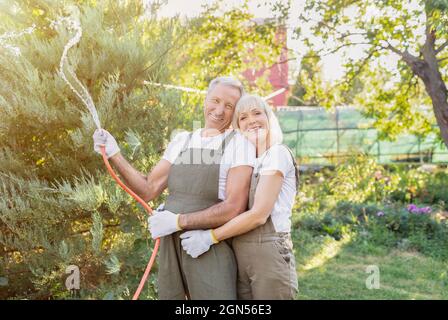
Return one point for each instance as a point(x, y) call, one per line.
point(237, 191)
point(266, 194)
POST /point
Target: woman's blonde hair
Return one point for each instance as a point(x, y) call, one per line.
point(249, 101)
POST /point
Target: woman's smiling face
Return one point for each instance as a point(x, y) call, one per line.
point(253, 123)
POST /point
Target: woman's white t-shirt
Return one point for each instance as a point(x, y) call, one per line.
point(279, 158)
point(238, 152)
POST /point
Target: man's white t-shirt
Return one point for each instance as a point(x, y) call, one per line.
point(279, 158)
point(238, 152)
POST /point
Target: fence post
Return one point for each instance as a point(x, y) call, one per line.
point(337, 133)
point(378, 149)
point(419, 142)
point(299, 119)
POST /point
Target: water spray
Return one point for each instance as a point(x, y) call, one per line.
point(84, 96)
point(13, 35)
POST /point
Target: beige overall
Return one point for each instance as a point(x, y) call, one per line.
point(266, 263)
point(193, 186)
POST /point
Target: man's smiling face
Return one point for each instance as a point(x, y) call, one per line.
point(219, 107)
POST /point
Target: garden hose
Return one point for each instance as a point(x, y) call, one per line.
point(148, 208)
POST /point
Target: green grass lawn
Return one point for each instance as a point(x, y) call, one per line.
point(330, 269)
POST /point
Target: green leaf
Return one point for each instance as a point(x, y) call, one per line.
point(133, 141)
point(63, 250)
point(129, 223)
point(112, 265)
point(97, 232)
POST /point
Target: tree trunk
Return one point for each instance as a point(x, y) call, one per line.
point(440, 107)
point(437, 91)
point(435, 87)
point(427, 69)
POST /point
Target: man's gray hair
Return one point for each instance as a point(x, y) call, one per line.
point(227, 81)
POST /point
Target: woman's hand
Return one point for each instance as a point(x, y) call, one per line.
point(196, 242)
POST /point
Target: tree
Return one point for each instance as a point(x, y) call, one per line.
point(228, 44)
point(414, 33)
point(57, 205)
point(307, 89)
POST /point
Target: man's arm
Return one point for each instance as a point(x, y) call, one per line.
point(268, 190)
point(147, 187)
point(237, 194)
point(196, 242)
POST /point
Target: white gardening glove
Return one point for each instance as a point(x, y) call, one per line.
point(103, 137)
point(161, 207)
point(196, 242)
point(163, 223)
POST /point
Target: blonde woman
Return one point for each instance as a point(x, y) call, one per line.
point(261, 235)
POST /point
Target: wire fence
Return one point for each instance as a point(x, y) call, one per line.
point(319, 136)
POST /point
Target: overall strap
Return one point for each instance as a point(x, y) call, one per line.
point(185, 147)
point(225, 142)
point(296, 167)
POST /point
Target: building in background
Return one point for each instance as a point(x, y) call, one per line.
point(277, 73)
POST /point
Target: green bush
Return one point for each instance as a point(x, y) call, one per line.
point(421, 232)
point(369, 202)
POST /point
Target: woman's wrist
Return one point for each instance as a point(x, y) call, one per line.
point(214, 238)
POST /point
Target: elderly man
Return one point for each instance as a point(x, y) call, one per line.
point(207, 173)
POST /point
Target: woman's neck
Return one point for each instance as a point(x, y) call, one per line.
point(262, 147)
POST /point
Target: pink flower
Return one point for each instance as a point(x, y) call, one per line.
point(378, 174)
point(412, 208)
point(380, 214)
point(425, 210)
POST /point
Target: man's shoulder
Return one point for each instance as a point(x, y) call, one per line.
point(180, 135)
point(241, 151)
point(238, 137)
point(240, 141)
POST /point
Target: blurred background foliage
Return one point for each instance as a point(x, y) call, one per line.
point(58, 206)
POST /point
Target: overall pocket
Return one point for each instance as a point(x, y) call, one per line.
point(283, 244)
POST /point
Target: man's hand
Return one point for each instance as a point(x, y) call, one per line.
point(103, 137)
point(163, 223)
point(196, 242)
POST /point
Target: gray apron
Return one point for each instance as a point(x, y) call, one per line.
point(266, 262)
point(193, 186)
